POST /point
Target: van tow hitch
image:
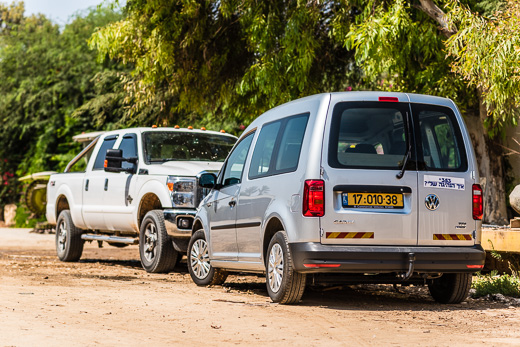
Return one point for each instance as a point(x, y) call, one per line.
point(409, 273)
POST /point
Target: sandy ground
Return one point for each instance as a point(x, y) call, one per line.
point(106, 299)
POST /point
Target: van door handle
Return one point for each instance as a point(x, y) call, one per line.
point(106, 184)
point(86, 185)
point(232, 203)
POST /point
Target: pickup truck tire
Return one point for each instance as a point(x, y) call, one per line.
point(284, 284)
point(201, 271)
point(155, 246)
point(451, 288)
point(69, 245)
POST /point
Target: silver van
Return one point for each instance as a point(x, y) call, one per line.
point(354, 187)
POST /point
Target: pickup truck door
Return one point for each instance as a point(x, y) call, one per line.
point(119, 204)
point(94, 187)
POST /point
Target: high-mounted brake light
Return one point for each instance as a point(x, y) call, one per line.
point(477, 202)
point(314, 198)
point(388, 99)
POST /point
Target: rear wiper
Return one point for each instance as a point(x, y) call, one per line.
point(400, 174)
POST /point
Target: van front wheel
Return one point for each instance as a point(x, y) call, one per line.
point(284, 285)
point(451, 288)
point(199, 266)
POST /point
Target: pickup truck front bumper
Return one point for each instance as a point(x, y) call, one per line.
point(314, 257)
point(178, 222)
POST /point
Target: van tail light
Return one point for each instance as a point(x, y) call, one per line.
point(388, 99)
point(477, 202)
point(314, 198)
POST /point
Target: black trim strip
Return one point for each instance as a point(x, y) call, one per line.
point(248, 225)
point(372, 189)
point(237, 226)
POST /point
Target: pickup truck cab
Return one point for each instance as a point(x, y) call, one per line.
point(134, 186)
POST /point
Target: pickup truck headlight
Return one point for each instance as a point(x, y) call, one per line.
point(182, 191)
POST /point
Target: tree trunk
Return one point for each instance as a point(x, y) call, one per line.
point(490, 161)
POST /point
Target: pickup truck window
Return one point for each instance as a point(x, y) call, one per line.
point(163, 146)
point(129, 147)
point(108, 143)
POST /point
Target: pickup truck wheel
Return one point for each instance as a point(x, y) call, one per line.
point(451, 288)
point(69, 244)
point(201, 271)
point(155, 246)
point(284, 285)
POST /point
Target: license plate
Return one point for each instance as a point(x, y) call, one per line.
point(372, 200)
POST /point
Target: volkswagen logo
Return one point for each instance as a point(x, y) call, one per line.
point(432, 202)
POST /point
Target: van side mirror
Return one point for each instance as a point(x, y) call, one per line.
point(208, 180)
point(113, 160)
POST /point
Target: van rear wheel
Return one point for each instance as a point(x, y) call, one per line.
point(451, 288)
point(284, 285)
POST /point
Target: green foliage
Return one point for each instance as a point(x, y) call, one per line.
point(24, 218)
point(493, 284)
point(48, 73)
point(486, 53)
point(222, 63)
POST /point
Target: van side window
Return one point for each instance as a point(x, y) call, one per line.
point(278, 147)
point(129, 147)
point(368, 135)
point(235, 163)
point(441, 141)
point(108, 143)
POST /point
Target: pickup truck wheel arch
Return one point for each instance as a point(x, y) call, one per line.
point(155, 246)
point(148, 203)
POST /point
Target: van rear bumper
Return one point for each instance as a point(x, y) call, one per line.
point(314, 257)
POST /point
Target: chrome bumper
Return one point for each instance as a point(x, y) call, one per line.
point(171, 219)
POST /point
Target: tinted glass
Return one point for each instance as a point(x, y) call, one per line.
point(261, 160)
point(291, 144)
point(368, 135)
point(441, 139)
point(162, 146)
point(235, 163)
point(129, 147)
point(108, 143)
point(81, 163)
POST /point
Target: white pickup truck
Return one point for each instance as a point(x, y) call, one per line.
point(134, 186)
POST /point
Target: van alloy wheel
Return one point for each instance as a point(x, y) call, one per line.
point(200, 259)
point(199, 264)
point(275, 268)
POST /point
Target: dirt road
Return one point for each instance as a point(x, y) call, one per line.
point(106, 299)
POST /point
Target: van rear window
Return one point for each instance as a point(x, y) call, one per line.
point(368, 135)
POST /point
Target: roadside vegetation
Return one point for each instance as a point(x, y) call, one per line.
point(221, 63)
point(493, 283)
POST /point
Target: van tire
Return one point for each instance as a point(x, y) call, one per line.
point(201, 271)
point(451, 288)
point(284, 284)
point(69, 245)
point(155, 246)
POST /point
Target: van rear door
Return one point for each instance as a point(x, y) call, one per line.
point(445, 182)
point(366, 200)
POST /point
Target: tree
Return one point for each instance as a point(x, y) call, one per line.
point(48, 73)
point(224, 62)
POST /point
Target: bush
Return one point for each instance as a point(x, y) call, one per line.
point(508, 285)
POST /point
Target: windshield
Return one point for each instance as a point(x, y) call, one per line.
point(162, 146)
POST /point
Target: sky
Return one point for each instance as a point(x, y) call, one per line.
point(59, 11)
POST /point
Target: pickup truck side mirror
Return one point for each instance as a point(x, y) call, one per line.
point(208, 180)
point(113, 160)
